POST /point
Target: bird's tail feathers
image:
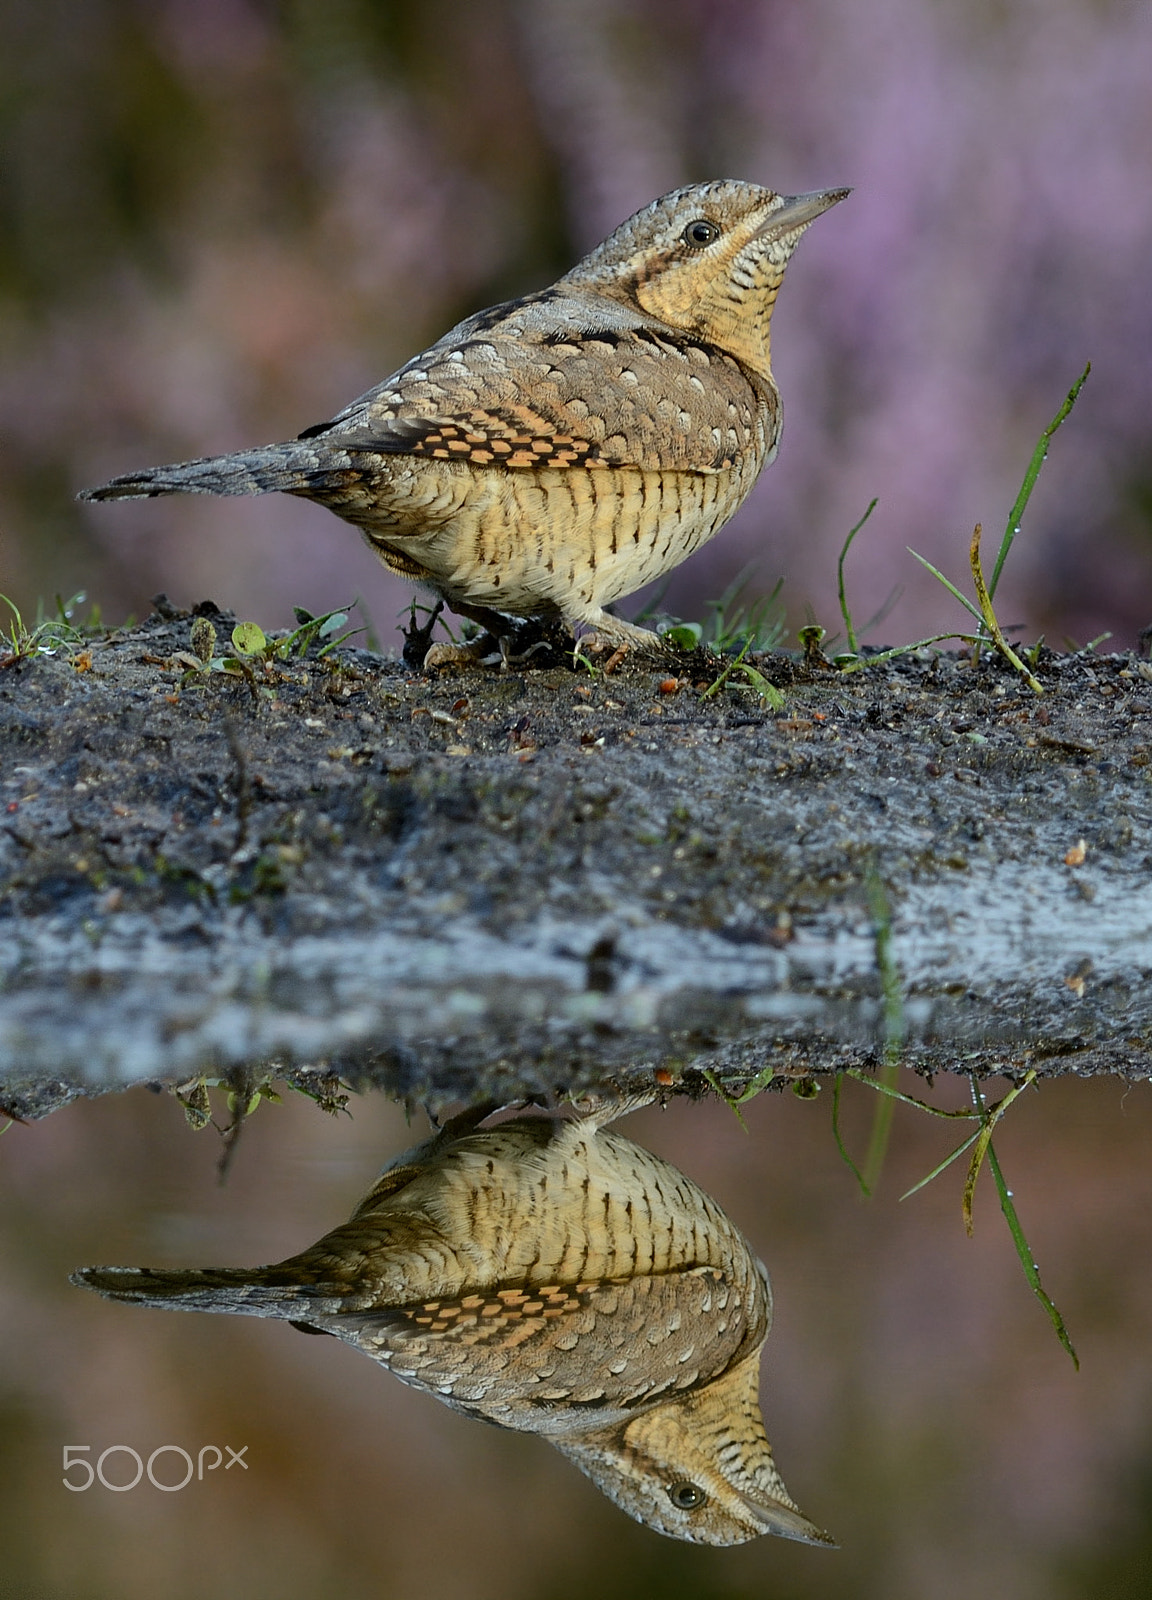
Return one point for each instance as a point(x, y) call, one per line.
point(290, 468)
point(242, 1291)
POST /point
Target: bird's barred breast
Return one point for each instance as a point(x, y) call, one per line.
point(582, 1207)
point(576, 540)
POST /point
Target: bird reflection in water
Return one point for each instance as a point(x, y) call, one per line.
point(550, 1276)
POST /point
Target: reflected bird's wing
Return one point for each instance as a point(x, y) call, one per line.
point(543, 1359)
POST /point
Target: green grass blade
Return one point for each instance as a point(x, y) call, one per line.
point(902, 649)
point(1031, 1270)
point(990, 622)
point(768, 692)
point(656, 600)
point(951, 587)
point(371, 637)
point(1039, 455)
point(845, 612)
point(715, 688)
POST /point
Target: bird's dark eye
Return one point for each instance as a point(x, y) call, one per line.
point(700, 233)
point(686, 1496)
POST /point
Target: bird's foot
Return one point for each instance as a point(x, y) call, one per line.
point(418, 636)
point(509, 659)
point(469, 654)
point(617, 637)
point(509, 641)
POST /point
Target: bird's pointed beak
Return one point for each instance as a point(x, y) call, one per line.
point(784, 1521)
point(796, 211)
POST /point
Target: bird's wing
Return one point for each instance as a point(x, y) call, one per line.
point(573, 397)
point(602, 1346)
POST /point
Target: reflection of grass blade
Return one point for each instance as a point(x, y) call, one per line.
point(1039, 455)
point(905, 1099)
point(991, 1116)
point(844, 609)
point(1031, 1271)
point(947, 1162)
point(983, 1140)
point(893, 1005)
point(839, 1138)
point(729, 1100)
point(756, 1085)
point(980, 1143)
point(881, 1129)
point(751, 1089)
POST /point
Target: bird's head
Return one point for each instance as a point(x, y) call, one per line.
point(707, 260)
point(697, 1467)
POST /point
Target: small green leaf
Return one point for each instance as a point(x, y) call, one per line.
point(767, 691)
point(685, 636)
point(248, 639)
point(242, 1105)
point(333, 624)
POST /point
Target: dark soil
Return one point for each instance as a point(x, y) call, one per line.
point(491, 884)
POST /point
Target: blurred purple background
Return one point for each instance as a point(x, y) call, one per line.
point(219, 220)
point(223, 218)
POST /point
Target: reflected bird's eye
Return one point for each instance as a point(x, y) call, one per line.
point(686, 1496)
